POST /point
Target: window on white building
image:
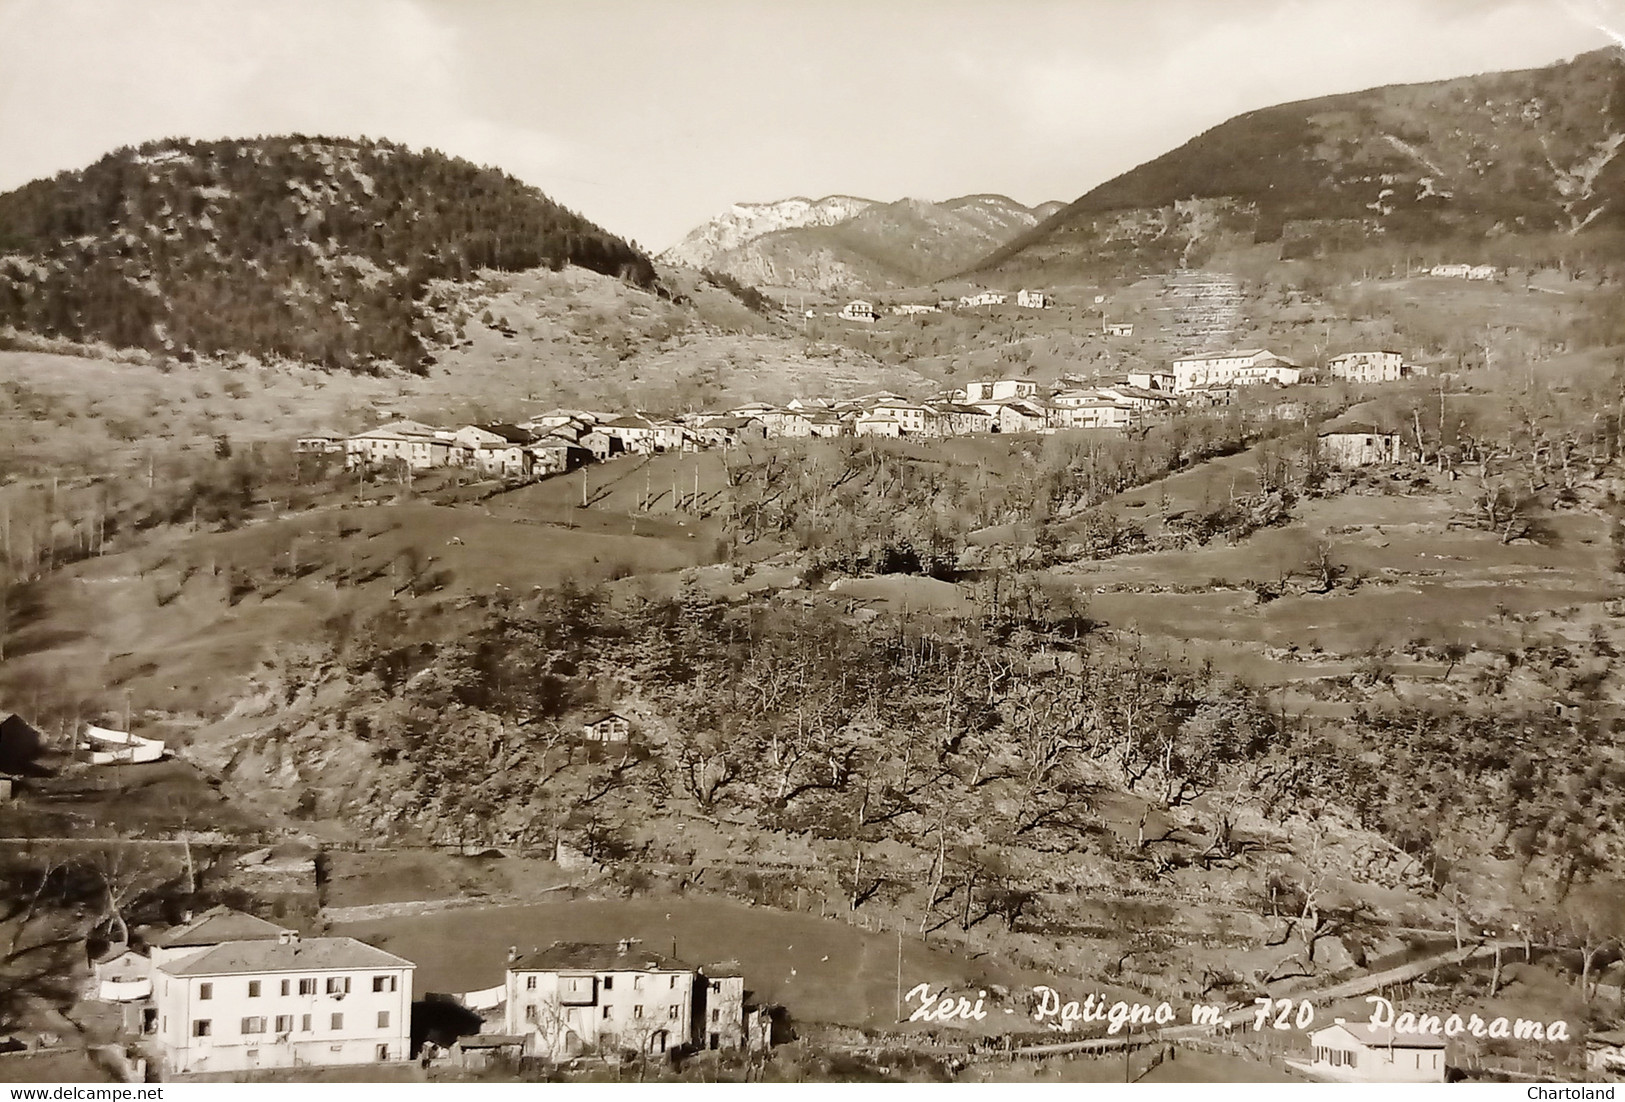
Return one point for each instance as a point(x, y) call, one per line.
point(337, 1022)
point(254, 1025)
point(383, 1019)
point(284, 1023)
point(307, 987)
point(383, 983)
point(253, 989)
point(205, 990)
point(202, 1027)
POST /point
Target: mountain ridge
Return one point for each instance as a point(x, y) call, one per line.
point(843, 243)
point(1506, 154)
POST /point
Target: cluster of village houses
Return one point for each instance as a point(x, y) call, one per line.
point(864, 310)
point(229, 992)
point(561, 440)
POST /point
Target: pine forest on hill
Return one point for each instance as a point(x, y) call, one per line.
point(308, 249)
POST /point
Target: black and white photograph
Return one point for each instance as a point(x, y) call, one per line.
point(657, 542)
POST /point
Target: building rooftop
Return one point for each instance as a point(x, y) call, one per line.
point(1353, 428)
point(589, 956)
point(317, 954)
point(1225, 355)
point(401, 428)
point(216, 925)
point(513, 434)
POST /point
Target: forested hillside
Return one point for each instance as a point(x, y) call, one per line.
point(1452, 166)
point(313, 249)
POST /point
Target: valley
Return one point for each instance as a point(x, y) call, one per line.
point(1201, 595)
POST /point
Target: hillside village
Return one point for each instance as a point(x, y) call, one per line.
point(561, 440)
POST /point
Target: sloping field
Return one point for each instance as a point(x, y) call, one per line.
point(822, 970)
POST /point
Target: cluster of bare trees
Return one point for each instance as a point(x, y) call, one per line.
point(988, 749)
point(54, 896)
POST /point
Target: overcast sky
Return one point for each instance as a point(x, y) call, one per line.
point(648, 116)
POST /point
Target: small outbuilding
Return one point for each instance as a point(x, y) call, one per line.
point(1358, 444)
point(609, 727)
point(1357, 1052)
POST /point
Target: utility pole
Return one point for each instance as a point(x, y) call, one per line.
point(899, 973)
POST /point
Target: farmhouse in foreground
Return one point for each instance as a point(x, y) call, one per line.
point(573, 997)
point(232, 993)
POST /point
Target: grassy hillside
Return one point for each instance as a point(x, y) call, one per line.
point(309, 249)
point(507, 345)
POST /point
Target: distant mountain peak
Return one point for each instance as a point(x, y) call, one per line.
point(843, 242)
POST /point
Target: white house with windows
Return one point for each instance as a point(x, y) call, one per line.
point(1351, 443)
point(1140, 398)
point(574, 997)
point(998, 390)
point(913, 418)
point(1152, 380)
point(1356, 1052)
point(1015, 415)
point(282, 1002)
point(1100, 413)
point(494, 449)
point(1367, 367)
point(1243, 367)
point(877, 422)
point(859, 310)
point(983, 298)
point(417, 445)
point(1033, 300)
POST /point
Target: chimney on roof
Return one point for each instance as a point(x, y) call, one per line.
point(513, 953)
